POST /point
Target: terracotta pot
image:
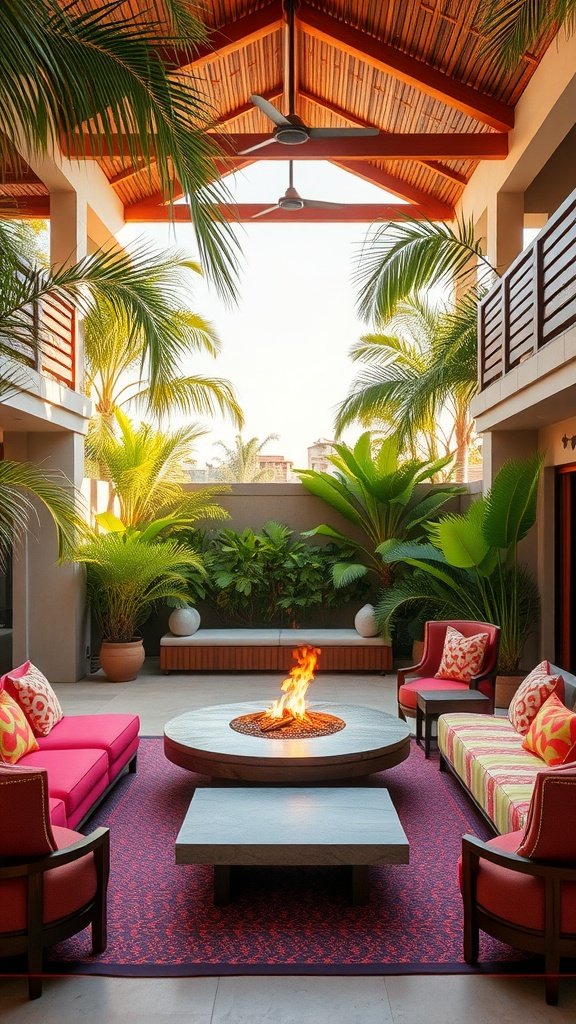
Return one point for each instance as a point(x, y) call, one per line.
point(121, 661)
point(506, 686)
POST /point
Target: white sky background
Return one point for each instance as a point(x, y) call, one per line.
point(285, 345)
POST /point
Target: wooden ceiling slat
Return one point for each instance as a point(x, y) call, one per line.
point(231, 37)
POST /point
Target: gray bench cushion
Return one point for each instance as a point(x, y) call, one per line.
point(272, 638)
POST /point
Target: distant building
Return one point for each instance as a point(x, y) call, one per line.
point(318, 454)
point(279, 468)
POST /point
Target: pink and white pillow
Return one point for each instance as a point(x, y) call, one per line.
point(462, 656)
point(532, 694)
point(31, 690)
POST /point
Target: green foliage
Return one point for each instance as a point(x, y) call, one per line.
point(240, 463)
point(258, 578)
point(375, 492)
point(127, 576)
point(471, 569)
point(514, 27)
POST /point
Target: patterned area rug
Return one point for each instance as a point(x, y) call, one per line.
point(162, 920)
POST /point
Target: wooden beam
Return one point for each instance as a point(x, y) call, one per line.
point(229, 38)
point(247, 108)
point(394, 146)
point(433, 165)
point(25, 207)
point(390, 61)
point(352, 213)
point(403, 189)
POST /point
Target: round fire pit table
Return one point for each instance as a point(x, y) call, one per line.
point(203, 741)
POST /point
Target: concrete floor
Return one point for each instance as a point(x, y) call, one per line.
point(294, 1000)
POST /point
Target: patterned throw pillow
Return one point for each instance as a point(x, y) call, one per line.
point(531, 694)
point(462, 656)
point(552, 735)
point(16, 736)
point(32, 691)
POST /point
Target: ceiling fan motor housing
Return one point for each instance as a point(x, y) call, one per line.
point(291, 135)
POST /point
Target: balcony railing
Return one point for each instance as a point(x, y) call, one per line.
point(535, 300)
point(53, 351)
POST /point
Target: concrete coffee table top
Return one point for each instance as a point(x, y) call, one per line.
point(202, 741)
point(291, 826)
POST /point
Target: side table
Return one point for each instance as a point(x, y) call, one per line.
point(432, 703)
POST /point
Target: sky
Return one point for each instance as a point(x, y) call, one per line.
point(285, 345)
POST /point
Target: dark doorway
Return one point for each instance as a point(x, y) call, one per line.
point(566, 567)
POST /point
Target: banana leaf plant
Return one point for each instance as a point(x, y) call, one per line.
point(470, 568)
point(375, 492)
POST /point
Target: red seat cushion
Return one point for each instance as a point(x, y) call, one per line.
point(66, 889)
point(73, 775)
point(112, 733)
point(407, 693)
point(57, 811)
point(516, 898)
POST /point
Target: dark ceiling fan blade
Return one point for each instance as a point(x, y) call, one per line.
point(259, 145)
point(317, 204)
point(269, 110)
point(341, 133)
point(263, 213)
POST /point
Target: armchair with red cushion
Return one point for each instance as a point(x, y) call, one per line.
point(53, 881)
point(521, 887)
point(423, 675)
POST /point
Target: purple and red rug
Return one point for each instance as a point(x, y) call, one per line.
point(162, 920)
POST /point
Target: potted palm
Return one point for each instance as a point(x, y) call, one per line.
point(126, 574)
point(471, 569)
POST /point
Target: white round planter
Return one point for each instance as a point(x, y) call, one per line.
point(184, 621)
point(365, 621)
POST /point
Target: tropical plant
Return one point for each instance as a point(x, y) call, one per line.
point(127, 575)
point(374, 491)
point(119, 73)
point(240, 463)
point(144, 466)
point(126, 365)
point(470, 569)
point(419, 381)
point(514, 28)
point(258, 577)
point(401, 259)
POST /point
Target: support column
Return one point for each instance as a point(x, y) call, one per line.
point(49, 619)
point(505, 228)
point(69, 244)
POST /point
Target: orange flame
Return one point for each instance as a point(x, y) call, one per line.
point(296, 684)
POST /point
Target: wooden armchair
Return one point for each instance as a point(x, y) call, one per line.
point(521, 887)
point(423, 675)
point(53, 881)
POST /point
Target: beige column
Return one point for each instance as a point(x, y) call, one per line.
point(504, 228)
point(69, 244)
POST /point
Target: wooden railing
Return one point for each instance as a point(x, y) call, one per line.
point(54, 331)
point(535, 300)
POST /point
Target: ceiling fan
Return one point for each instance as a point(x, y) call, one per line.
point(289, 129)
point(291, 200)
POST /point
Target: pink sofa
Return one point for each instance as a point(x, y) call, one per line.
point(84, 756)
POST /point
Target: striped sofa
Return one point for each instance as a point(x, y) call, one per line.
point(485, 753)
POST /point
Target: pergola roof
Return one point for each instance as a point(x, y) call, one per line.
point(413, 69)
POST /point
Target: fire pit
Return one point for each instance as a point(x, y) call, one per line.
point(233, 740)
point(289, 717)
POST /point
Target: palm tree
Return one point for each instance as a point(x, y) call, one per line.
point(144, 466)
point(513, 28)
point(119, 356)
point(108, 70)
point(420, 380)
point(240, 463)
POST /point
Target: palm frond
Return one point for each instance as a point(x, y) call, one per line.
point(513, 27)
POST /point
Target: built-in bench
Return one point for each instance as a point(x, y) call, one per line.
point(229, 650)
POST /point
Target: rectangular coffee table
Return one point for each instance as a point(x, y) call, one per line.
point(291, 826)
point(430, 704)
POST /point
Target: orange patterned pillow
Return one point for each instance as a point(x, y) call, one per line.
point(32, 691)
point(16, 736)
point(531, 694)
point(462, 656)
point(552, 735)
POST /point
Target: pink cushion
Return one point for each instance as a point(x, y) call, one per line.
point(518, 898)
point(112, 733)
point(462, 656)
point(32, 691)
point(549, 833)
point(73, 775)
point(66, 889)
point(531, 694)
point(57, 811)
point(407, 693)
point(25, 829)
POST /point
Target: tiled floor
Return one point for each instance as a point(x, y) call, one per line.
point(297, 1000)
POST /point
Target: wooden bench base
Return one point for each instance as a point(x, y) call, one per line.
point(271, 659)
